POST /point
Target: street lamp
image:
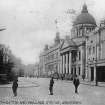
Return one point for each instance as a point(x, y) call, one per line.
point(96, 82)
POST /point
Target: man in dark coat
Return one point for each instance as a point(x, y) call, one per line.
point(51, 86)
point(76, 83)
point(15, 86)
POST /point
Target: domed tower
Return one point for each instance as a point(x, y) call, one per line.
point(57, 38)
point(46, 47)
point(83, 24)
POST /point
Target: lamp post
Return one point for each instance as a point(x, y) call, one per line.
point(96, 82)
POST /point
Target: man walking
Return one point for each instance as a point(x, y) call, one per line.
point(51, 86)
point(15, 86)
point(76, 83)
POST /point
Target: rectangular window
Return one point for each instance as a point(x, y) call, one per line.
point(79, 70)
point(89, 50)
point(93, 50)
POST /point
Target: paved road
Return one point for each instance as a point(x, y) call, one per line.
point(63, 93)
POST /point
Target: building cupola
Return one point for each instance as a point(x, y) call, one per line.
point(84, 9)
point(84, 17)
point(83, 23)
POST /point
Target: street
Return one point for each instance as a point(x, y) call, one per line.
point(36, 89)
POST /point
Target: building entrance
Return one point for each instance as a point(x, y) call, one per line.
point(101, 74)
point(92, 73)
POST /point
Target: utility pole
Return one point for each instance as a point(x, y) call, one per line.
point(99, 31)
point(96, 83)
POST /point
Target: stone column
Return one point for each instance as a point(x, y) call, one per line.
point(86, 72)
point(77, 70)
point(66, 63)
point(69, 62)
point(89, 76)
point(58, 67)
point(73, 70)
point(63, 64)
point(60, 64)
point(82, 60)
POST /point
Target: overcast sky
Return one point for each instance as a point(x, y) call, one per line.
point(30, 23)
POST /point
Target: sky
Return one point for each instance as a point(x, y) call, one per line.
point(30, 23)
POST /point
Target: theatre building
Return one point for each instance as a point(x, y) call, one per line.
point(81, 53)
point(73, 50)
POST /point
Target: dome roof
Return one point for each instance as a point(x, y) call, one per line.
point(84, 17)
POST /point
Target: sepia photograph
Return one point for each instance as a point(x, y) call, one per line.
point(52, 52)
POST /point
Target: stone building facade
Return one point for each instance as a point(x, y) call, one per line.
point(68, 56)
point(96, 55)
point(73, 51)
point(42, 63)
point(50, 58)
point(81, 53)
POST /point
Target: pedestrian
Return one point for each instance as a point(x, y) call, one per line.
point(83, 77)
point(51, 86)
point(15, 86)
point(62, 76)
point(76, 83)
point(57, 76)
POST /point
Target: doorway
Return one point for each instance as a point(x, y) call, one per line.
point(101, 73)
point(92, 73)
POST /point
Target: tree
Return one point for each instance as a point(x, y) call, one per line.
point(10, 65)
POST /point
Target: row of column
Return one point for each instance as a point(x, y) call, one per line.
point(66, 63)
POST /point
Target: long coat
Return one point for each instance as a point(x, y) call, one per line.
point(15, 85)
point(51, 84)
point(76, 82)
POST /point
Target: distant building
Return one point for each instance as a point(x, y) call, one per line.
point(50, 58)
point(36, 70)
point(42, 63)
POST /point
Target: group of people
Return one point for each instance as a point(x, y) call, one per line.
point(76, 83)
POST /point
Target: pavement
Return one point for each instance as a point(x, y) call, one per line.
point(22, 83)
point(90, 83)
point(30, 82)
point(63, 93)
point(93, 83)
